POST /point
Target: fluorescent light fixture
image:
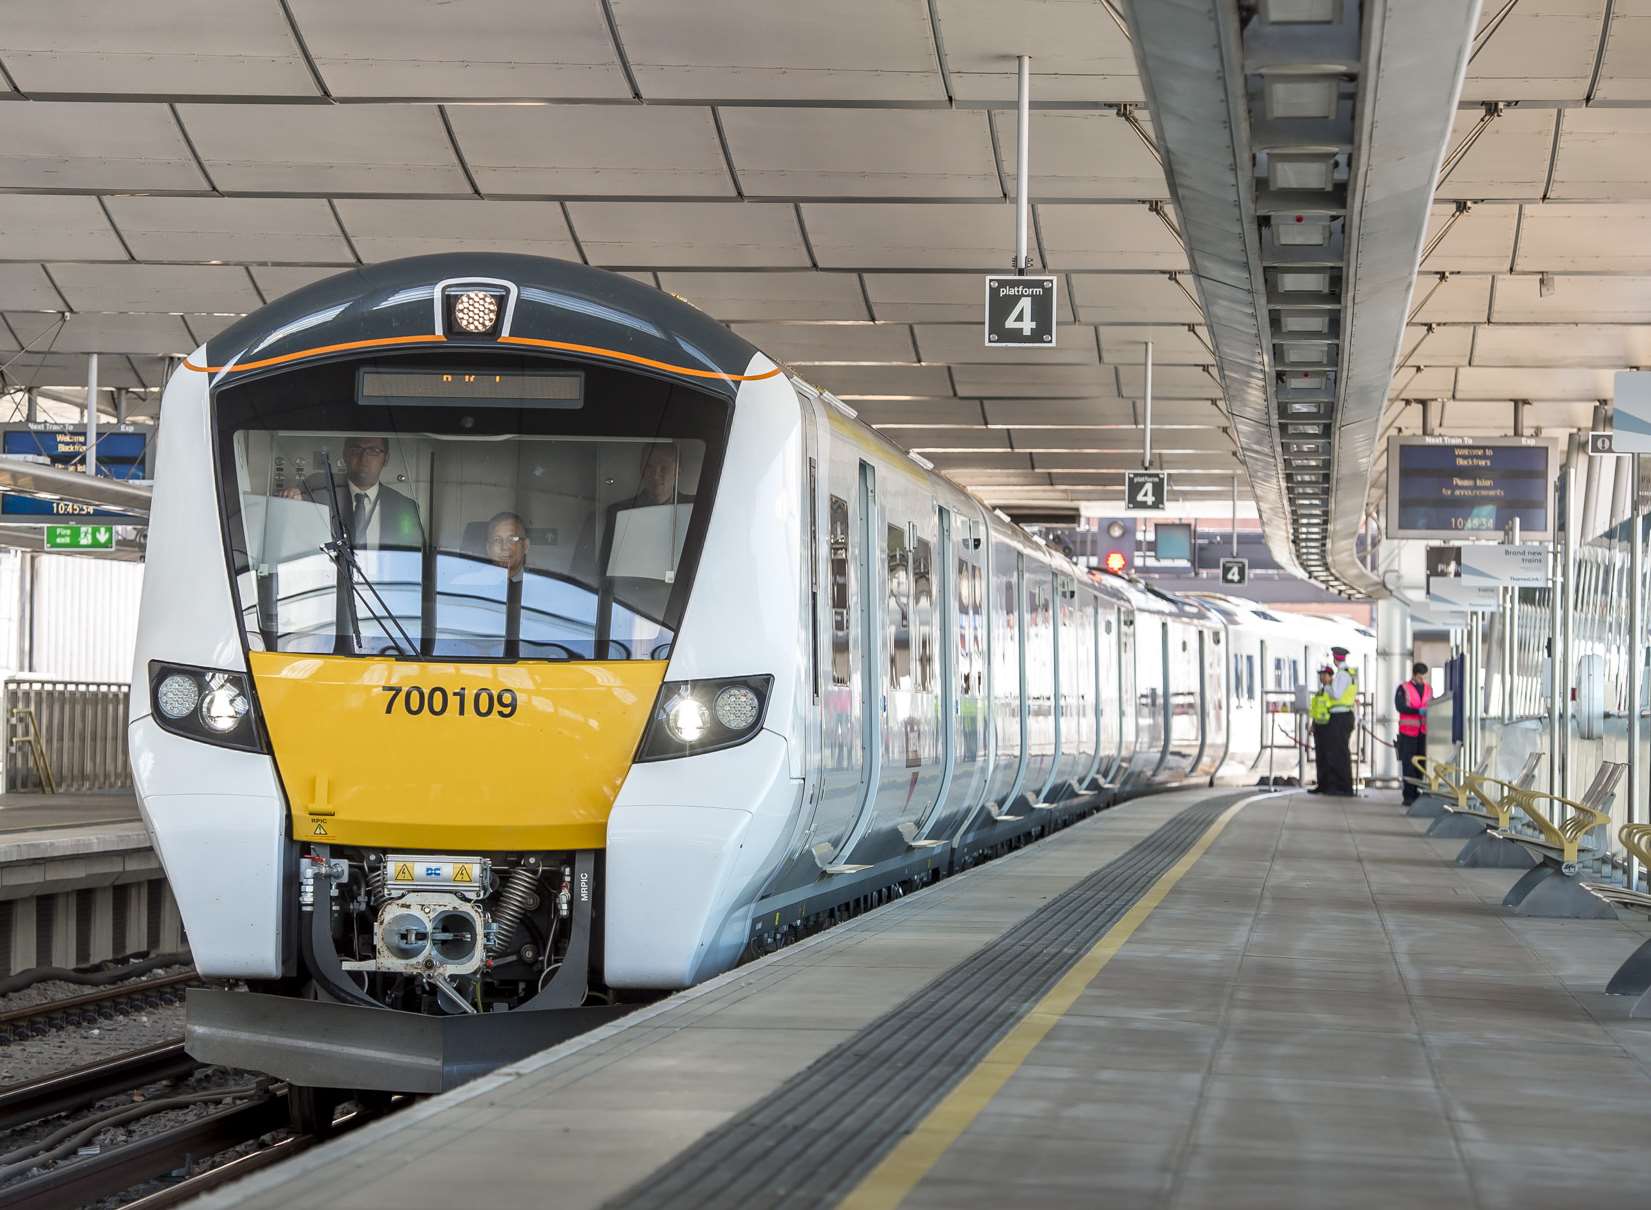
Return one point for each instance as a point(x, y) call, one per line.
point(1303, 354)
point(1303, 283)
point(1301, 12)
point(1301, 234)
point(1300, 172)
point(1301, 96)
point(1304, 323)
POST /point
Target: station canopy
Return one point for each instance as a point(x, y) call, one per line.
point(832, 179)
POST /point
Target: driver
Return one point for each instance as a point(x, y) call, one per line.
point(375, 515)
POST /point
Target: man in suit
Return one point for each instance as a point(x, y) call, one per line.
point(375, 516)
point(657, 484)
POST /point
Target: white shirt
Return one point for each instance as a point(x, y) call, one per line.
point(375, 523)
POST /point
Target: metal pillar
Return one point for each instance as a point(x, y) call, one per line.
point(91, 414)
point(1023, 161)
point(1636, 658)
point(1556, 576)
point(1567, 620)
point(1235, 514)
point(1146, 430)
point(1510, 602)
point(32, 415)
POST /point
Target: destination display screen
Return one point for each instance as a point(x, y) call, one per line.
point(122, 453)
point(472, 388)
point(1458, 487)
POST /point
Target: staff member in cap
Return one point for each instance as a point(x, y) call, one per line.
point(1338, 735)
point(1318, 711)
point(1410, 699)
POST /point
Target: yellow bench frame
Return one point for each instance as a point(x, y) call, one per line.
point(1565, 836)
point(1441, 773)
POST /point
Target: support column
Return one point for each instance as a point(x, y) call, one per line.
point(1636, 659)
point(91, 414)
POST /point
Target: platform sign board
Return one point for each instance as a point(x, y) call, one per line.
point(1235, 571)
point(122, 453)
point(1522, 566)
point(1457, 487)
point(1631, 413)
point(1020, 312)
point(1444, 560)
point(1145, 490)
point(1464, 593)
point(80, 537)
point(1602, 444)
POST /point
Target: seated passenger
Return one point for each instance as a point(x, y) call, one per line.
point(659, 483)
point(507, 543)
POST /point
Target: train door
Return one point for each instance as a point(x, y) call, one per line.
point(1201, 702)
point(1039, 669)
point(1086, 668)
point(1008, 724)
point(965, 673)
point(1110, 698)
point(848, 742)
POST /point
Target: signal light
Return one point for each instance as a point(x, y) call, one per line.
point(1117, 562)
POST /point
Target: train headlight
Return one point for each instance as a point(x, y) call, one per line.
point(206, 704)
point(701, 716)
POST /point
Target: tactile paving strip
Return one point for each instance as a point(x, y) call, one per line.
point(811, 1140)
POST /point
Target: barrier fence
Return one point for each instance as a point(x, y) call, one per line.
point(65, 736)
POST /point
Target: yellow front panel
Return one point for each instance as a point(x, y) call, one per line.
point(362, 766)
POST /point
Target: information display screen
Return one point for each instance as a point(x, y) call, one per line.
point(473, 388)
point(122, 453)
point(1459, 487)
point(1172, 542)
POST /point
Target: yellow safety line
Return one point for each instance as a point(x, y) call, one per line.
point(887, 1185)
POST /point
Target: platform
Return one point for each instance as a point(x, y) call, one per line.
point(1309, 1006)
point(42, 812)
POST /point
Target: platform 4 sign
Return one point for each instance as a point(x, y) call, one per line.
point(1145, 490)
point(1020, 312)
point(1235, 571)
point(80, 537)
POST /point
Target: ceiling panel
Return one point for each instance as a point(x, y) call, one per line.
point(1618, 346)
point(950, 439)
point(982, 460)
point(277, 280)
point(1480, 241)
point(670, 235)
point(914, 235)
point(1459, 299)
point(230, 228)
point(203, 328)
point(170, 47)
point(985, 477)
point(833, 344)
point(44, 226)
point(1065, 412)
point(1035, 381)
point(1574, 300)
point(1126, 344)
point(1509, 160)
point(1626, 71)
point(1078, 236)
point(1543, 50)
point(1169, 459)
point(859, 50)
point(877, 153)
point(938, 298)
point(94, 333)
point(1589, 239)
point(384, 228)
point(155, 288)
point(895, 413)
point(1604, 154)
point(103, 145)
point(27, 288)
point(964, 342)
point(1496, 417)
point(325, 148)
point(1164, 441)
point(1127, 298)
point(1484, 383)
point(1083, 154)
point(433, 48)
point(594, 150)
point(1443, 346)
point(754, 296)
point(850, 382)
point(1078, 52)
point(1168, 382)
point(1430, 382)
point(61, 370)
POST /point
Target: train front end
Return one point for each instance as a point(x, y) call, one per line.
point(424, 540)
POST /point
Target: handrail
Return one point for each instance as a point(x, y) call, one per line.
point(1565, 836)
point(1505, 803)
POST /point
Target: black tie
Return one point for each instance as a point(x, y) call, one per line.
point(358, 523)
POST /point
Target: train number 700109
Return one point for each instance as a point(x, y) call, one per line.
point(482, 703)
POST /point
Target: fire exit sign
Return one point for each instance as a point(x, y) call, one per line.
point(80, 537)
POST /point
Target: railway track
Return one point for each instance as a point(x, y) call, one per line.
point(35, 1020)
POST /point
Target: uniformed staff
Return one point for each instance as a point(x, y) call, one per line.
point(1338, 733)
point(1318, 710)
point(1411, 700)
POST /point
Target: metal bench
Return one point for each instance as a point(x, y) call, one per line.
point(1446, 785)
point(1489, 803)
point(1551, 887)
point(1633, 977)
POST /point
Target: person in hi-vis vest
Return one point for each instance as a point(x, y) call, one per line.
point(1338, 732)
point(1318, 711)
point(1411, 699)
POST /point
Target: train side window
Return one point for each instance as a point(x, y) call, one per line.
point(1295, 673)
point(899, 607)
point(840, 665)
point(1249, 676)
point(922, 581)
point(977, 616)
point(965, 627)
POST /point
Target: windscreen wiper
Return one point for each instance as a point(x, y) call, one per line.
point(340, 548)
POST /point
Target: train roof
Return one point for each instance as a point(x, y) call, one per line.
point(555, 306)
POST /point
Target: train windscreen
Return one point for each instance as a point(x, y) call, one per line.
point(466, 512)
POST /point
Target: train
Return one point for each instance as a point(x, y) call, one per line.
point(518, 642)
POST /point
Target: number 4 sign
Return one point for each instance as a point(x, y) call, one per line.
point(1020, 312)
point(1235, 571)
point(1145, 490)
